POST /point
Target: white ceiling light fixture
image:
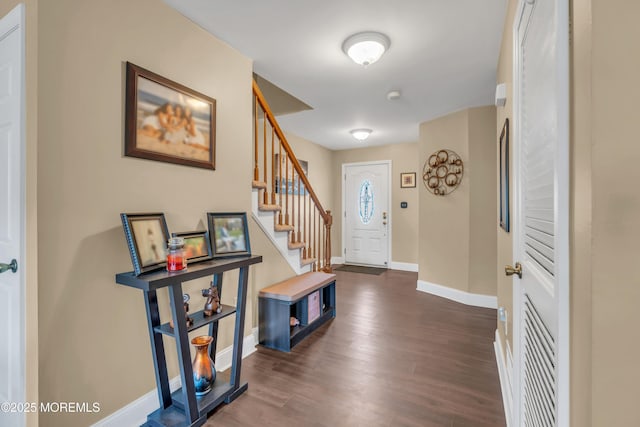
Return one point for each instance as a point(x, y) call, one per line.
point(361, 134)
point(366, 48)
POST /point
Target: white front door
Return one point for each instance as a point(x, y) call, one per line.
point(541, 234)
point(12, 340)
point(366, 213)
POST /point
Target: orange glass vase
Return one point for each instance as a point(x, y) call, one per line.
point(204, 371)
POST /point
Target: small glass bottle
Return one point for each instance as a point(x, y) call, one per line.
point(176, 258)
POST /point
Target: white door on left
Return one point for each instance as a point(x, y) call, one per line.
point(12, 336)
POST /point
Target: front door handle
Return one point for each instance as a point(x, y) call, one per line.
point(13, 266)
point(510, 271)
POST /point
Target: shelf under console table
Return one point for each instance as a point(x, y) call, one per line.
point(183, 408)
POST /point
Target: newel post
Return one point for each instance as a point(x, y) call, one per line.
point(327, 253)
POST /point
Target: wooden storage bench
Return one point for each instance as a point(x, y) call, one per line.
point(310, 297)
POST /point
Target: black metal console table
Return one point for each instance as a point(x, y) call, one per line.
point(183, 408)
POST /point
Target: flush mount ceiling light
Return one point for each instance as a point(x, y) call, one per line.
point(361, 134)
point(366, 48)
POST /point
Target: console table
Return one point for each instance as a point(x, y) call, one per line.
point(183, 408)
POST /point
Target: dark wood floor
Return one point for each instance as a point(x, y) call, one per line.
point(393, 356)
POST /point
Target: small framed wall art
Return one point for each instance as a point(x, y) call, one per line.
point(408, 180)
point(167, 121)
point(229, 234)
point(197, 246)
point(147, 235)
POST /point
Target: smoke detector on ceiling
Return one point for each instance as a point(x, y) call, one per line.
point(393, 95)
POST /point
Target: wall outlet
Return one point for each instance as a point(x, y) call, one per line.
point(503, 315)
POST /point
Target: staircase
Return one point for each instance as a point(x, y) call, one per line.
point(285, 205)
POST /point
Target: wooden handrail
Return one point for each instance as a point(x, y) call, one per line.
point(294, 160)
point(300, 219)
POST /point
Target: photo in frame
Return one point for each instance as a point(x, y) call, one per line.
point(290, 186)
point(147, 235)
point(504, 177)
point(197, 245)
point(229, 234)
point(168, 122)
point(407, 180)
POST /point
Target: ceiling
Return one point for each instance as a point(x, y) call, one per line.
point(443, 58)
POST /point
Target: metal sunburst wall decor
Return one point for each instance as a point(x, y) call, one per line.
point(442, 172)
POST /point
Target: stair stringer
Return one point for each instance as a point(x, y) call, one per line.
point(280, 239)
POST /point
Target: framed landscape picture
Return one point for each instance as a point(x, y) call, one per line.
point(167, 121)
point(504, 176)
point(197, 246)
point(290, 185)
point(229, 234)
point(147, 235)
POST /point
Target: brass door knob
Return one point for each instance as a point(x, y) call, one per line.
point(13, 266)
point(510, 271)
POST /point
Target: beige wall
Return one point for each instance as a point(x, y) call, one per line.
point(29, 265)
point(320, 163)
point(444, 226)
point(94, 344)
point(481, 168)
point(404, 158)
point(504, 239)
point(457, 245)
point(615, 225)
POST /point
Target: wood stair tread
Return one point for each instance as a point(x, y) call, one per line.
point(259, 184)
point(307, 261)
point(297, 245)
point(270, 208)
point(284, 227)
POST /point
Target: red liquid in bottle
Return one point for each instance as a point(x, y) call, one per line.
point(176, 262)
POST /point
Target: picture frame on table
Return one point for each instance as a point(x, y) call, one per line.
point(197, 245)
point(168, 122)
point(229, 234)
point(504, 177)
point(147, 235)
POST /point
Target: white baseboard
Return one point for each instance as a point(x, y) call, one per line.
point(403, 266)
point(135, 413)
point(477, 300)
point(337, 260)
point(505, 379)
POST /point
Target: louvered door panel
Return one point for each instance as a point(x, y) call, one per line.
point(540, 381)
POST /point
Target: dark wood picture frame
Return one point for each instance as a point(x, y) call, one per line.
point(229, 234)
point(153, 128)
point(197, 245)
point(504, 177)
point(407, 180)
point(147, 235)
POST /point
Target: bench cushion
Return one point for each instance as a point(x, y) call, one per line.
point(298, 286)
